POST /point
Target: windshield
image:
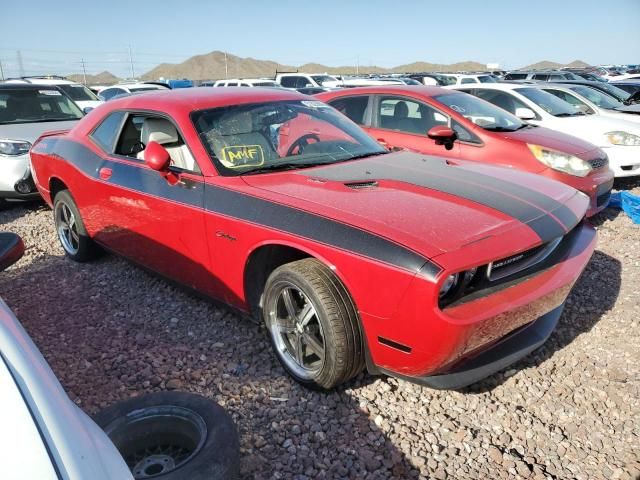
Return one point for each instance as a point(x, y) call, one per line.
point(549, 103)
point(601, 99)
point(320, 79)
point(262, 137)
point(481, 113)
point(32, 106)
point(77, 92)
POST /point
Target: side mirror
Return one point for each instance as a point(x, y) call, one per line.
point(524, 113)
point(11, 249)
point(86, 110)
point(443, 135)
point(157, 157)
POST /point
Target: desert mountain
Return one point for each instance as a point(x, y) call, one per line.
point(211, 66)
point(102, 78)
point(547, 65)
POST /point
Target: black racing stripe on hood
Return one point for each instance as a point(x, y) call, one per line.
point(247, 208)
point(531, 208)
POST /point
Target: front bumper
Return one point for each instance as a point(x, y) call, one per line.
point(15, 178)
point(597, 186)
point(507, 351)
point(450, 347)
point(624, 160)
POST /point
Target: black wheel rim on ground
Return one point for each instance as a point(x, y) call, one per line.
point(157, 440)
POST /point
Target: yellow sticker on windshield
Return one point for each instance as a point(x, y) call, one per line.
point(237, 156)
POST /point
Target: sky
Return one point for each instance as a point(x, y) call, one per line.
point(56, 37)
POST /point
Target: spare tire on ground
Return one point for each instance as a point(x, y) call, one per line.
point(173, 435)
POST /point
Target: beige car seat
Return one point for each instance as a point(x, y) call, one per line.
point(162, 131)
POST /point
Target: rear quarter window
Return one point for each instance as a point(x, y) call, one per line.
point(104, 135)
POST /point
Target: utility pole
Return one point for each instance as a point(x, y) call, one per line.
point(358, 65)
point(1, 71)
point(226, 67)
point(133, 73)
point(84, 72)
point(20, 65)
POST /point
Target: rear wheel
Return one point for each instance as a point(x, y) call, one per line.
point(313, 324)
point(70, 228)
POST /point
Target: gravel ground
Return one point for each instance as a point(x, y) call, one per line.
point(570, 410)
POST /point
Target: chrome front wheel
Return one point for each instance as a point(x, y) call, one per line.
point(296, 331)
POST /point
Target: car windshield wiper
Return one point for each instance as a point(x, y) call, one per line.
point(281, 166)
point(500, 129)
point(365, 155)
point(566, 114)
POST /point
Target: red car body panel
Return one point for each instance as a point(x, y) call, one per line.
point(392, 245)
point(508, 149)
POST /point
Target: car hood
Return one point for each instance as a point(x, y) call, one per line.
point(30, 132)
point(551, 139)
point(429, 204)
point(629, 109)
point(592, 128)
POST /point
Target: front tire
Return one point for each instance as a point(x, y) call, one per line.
point(73, 236)
point(313, 324)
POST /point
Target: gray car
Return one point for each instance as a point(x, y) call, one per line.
point(26, 112)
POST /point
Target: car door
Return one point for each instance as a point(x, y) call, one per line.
point(154, 218)
point(403, 122)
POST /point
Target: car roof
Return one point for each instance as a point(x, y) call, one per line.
point(395, 89)
point(493, 86)
point(26, 86)
point(186, 100)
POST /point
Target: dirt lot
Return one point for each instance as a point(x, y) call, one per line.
point(570, 410)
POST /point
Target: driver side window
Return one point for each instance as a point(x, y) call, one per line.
point(139, 129)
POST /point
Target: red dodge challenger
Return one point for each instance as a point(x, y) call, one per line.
point(439, 271)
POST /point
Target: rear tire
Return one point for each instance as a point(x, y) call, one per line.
point(73, 236)
point(173, 436)
point(313, 324)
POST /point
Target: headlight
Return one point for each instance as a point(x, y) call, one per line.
point(562, 162)
point(623, 138)
point(14, 147)
point(448, 284)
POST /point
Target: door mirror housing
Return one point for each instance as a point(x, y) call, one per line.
point(86, 110)
point(524, 113)
point(11, 249)
point(157, 157)
point(443, 135)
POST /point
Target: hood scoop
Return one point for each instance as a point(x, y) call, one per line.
point(361, 185)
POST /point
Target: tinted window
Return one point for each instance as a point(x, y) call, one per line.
point(601, 99)
point(109, 93)
point(487, 79)
point(464, 135)
point(293, 82)
point(468, 80)
point(77, 92)
point(397, 113)
point(105, 134)
point(515, 76)
point(32, 106)
point(541, 76)
point(232, 84)
point(353, 107)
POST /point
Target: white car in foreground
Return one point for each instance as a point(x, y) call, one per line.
point(620, 139)
point(81, 95)
point(591, 101)
point(45, 435)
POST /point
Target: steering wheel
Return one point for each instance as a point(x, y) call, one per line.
point(302, 142)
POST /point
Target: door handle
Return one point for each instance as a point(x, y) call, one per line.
point(105, 173)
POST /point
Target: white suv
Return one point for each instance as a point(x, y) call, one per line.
point(81, 95)
point(247, 82)
point(305, 80)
